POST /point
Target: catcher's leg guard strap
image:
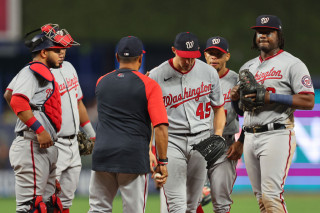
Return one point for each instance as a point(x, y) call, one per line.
point(38, 206)
point(54, 204)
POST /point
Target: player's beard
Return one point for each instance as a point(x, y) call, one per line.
point(52, 64)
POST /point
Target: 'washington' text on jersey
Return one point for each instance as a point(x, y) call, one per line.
point(272, 74)
point(72, 83)
point(188, 94)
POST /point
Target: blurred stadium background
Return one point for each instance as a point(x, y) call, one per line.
point(98, 25)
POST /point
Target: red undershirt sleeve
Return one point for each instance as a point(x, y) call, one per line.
point(19, 104)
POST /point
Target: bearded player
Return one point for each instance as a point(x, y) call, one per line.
point(270, 140)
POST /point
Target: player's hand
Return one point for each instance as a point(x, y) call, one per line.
point(235, 93)
point(147, 73)
point(153, 161)
point(160, 181)
point(235, 151)
point(44, 139)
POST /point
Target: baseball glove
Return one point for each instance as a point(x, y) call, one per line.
point(85, 144)
point(211, 149)
point(249, 85)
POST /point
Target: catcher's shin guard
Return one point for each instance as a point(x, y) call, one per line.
point(54, 204)
point(38, 206)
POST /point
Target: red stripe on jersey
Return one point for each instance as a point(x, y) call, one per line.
point(306, 93)
point(34, 171)
point(156, 108)
point(218, 106)
point(103, 77)
point(171, 64)
point(224, 74)
point(261, 60)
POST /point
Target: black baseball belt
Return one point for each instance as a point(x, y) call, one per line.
point(264, 128)
point(188, 134)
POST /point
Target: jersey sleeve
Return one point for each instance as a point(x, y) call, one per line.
point(11, 84)
point(156, 108)
point(216, 95)
point(300, 79)
point(25, 84)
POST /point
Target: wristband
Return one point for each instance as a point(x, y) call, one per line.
point(88, 129)
point(281, 99)
point(35, 125)
point(163, 161)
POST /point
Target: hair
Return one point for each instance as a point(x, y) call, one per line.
point(280, 40)
point(34, 54)
point(126, 60)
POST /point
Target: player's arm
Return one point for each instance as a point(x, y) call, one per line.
point(236, 149)
point(161, 137)
point(303, 101)
point(23, 110)
point(153, 159)
point(85, 121)
point(219, 120)
point(7, 96)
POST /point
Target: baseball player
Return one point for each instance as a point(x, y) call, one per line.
point(269, 136)
point(36, 101)
point(73, 112)
point(128, 102)
point(223, 173)
point(190, 89)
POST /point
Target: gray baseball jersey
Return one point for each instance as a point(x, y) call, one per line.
point(282, 74)
point(70, 92)
point(26, 85)
point(268, 154)
point(188, 97)
point(228, 81)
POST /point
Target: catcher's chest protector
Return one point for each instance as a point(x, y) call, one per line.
point(52, 106)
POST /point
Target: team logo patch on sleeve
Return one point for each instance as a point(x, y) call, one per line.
point(306, 81)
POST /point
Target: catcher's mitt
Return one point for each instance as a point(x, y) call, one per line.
point(249, 85)
point(211, 149)
point(85, 144)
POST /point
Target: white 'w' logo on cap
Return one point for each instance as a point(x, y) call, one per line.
point(216, 41)
point(264, 20)
point(189, 44)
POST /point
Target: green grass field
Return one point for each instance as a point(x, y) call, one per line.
point(243, 203)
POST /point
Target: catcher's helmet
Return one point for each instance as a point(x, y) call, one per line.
point(50, 37)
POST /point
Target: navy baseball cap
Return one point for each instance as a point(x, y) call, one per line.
point(219, 43)
point(187, 45)
point(130, 46)
point(268, 21)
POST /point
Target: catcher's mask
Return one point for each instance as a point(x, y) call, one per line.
point(50, 37)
